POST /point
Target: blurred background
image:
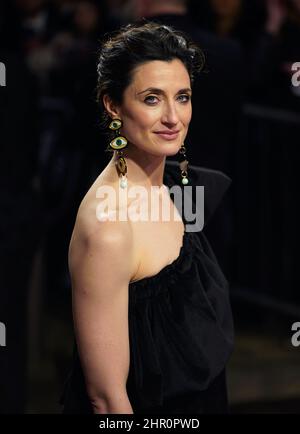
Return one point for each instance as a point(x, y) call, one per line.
point(246, 123)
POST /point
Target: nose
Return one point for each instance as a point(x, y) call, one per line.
point(170, 115)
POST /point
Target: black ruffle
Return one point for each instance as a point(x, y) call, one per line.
point(181, 329)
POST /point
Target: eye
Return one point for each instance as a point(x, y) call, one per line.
point(149, 99)
point(184, 98)
point(118, 143)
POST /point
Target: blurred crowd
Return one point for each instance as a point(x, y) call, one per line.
point(52, 147)
point(57, 38)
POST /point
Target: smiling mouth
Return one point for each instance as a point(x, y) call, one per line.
point(168, 135)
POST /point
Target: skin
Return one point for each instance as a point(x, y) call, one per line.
point(104, 256)
point(144, 113)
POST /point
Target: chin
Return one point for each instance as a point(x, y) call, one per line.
point(171, 151)
point(167, 148)
point(167, 151)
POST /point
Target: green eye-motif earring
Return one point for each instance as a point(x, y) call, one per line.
point(118, 143)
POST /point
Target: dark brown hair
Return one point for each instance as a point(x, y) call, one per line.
point(136, 44)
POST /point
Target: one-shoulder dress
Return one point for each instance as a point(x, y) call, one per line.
point(181, 331)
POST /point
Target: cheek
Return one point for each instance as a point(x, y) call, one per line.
point(139, 121)
point(187, 116)
point(134, 128)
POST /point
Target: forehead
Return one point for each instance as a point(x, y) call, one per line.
point(160, 74)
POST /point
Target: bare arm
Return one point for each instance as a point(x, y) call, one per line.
point(100, 263)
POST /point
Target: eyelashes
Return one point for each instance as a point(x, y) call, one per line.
point(184, 98)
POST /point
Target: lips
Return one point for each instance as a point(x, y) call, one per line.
point(168, 135)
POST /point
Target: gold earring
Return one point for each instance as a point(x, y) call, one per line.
point(183, 163)
point(119, 143)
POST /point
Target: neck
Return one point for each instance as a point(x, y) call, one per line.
point(143, 169)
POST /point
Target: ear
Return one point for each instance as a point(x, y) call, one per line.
point(111, 107)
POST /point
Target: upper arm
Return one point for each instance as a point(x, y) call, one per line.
point(100, 263)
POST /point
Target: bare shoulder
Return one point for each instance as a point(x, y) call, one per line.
point(109, 240)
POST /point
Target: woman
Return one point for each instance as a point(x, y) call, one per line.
point(152, 319)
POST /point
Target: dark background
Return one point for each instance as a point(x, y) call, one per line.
point(246, 123)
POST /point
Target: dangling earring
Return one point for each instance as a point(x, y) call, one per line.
point(118, 143)
point(183, 163)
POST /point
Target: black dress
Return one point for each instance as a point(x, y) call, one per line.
point(180, 326)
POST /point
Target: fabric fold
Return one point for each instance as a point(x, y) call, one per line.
point(182, 329)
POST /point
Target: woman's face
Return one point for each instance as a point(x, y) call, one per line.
point(156, 109)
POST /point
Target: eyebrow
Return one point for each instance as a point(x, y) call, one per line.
point(161, 92)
